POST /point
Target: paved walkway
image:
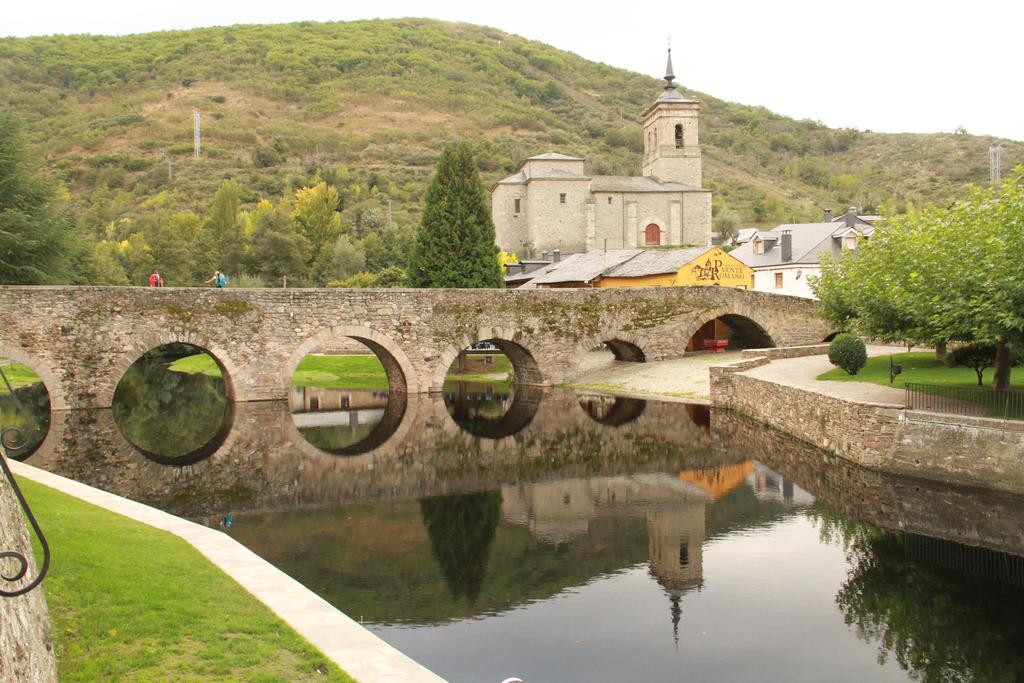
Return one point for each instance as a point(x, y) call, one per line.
point(683, 378)
point(801, 373)
point(363, 655)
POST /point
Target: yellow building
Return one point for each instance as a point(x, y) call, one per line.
point(699, 266)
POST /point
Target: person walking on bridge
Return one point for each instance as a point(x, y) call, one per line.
point(219, 279)
point(155, 280)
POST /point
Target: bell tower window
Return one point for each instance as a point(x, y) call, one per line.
point(679, 135)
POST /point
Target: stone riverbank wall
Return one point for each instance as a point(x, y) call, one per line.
point(26, 644)
point(966, 451)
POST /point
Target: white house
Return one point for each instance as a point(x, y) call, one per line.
point(784, 258)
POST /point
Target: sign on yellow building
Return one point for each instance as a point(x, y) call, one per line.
point(701, 266)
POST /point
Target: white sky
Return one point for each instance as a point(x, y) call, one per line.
point(899, 65)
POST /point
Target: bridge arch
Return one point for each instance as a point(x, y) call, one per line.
point(613, 411)
point(742, 326)
point(53, 385)
point(147, 341)
point(509, 342)
point(401, 375)
point(526, 400)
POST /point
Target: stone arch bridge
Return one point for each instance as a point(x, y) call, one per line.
point(80, 340)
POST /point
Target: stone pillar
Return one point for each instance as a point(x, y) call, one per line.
point(592, 224)
point(26, 644)
point(675, 221)
point(632, 228)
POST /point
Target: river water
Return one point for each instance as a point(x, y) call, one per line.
point(495, 531)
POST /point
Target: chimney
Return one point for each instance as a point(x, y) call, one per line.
point(828, 216)
point(543, 256)
point(851, 217)
point(557, 255)
point(514, 268)
point(787, 246)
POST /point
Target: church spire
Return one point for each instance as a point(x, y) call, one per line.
point(669, 75)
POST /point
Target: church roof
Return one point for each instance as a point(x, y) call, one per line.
point(625, 183)
point(554, 156)
point(514, 179)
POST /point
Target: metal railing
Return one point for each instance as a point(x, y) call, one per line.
point(1006, 404)
point(13, 439)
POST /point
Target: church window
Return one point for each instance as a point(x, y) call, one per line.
point(679, 135)
point(517, 206)
point(561, 198)
point(652, 234)
point(609, 200)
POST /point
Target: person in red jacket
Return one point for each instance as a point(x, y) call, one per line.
point(155, 280)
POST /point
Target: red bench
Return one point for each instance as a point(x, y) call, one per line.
point(716, 345)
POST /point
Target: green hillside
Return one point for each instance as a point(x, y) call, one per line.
point(369, 104)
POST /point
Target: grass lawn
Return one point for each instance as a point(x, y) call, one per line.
point(336, 372)
point(129, 602)
point(198, 364)
point(341, 372)
point(18, 375)
point(918, 366)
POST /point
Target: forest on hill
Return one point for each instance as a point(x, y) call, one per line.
point(342, 122)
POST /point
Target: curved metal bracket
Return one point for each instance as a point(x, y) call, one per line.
point(14, 438)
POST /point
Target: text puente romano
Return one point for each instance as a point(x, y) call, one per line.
point(81, 340)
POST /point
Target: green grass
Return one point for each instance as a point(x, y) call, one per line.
point(198, 364)
point(341, 372)
point(918, 366)
point(129, 602)
point(19, 375)
point(334, 372)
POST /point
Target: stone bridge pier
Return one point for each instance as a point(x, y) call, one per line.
point(81, 340)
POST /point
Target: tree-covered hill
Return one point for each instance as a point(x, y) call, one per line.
point(371, 103)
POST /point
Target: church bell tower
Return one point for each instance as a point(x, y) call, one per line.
point(671, 148)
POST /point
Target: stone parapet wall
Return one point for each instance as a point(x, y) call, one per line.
point(965, 451)
point(787, 352)
point(26, 644)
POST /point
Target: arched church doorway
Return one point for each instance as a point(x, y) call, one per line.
point(652, 235)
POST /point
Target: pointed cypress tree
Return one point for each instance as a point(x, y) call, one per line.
point(455, 243)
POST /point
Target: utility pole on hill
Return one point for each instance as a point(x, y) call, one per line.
point(196, 144)
point(995, 163)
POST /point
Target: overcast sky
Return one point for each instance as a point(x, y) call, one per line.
point(898, 65)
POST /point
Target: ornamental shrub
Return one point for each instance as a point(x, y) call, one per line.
point(848, 352)
point(975, 356)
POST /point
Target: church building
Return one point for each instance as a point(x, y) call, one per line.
point(553, 204)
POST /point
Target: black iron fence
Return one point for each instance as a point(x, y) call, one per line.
point(1006, 404)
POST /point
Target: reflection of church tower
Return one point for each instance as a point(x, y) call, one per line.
point(675, 539)
point(671, 147)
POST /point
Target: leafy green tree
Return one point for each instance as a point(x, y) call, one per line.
point(107, 268)
point(317, 219)
point(222, 240)
point(939, 275)
point(976, 357)
point(277, 250)
point(727, 225)
point(455, 244)
point(32, 234)
point(347, 258)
